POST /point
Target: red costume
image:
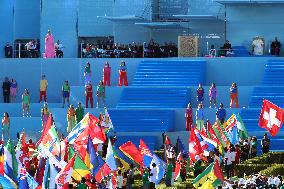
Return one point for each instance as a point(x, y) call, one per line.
point(89, 95)
point(122, 78)
point(107, 71)
point(188, 119)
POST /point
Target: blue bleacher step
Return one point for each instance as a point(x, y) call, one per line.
point(142, 120)
point(273, 74)
point(170, 73)
point(154, 97)
point(275, 94)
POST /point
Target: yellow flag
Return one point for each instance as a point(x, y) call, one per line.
point(207, 185)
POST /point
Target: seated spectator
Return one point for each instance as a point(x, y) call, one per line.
point(227, 47)
point(212, 51)
point(275, 47)
point(31, 49)
point(8, 50)
point(59, 49)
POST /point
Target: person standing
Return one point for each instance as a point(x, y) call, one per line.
point(234, 95)
point(199, 117)
point(213, 95)
point(44, 114)
point(79, 112)
point(200, 94)
point(169, 174)
point(5, 126)
point(197, 166)
point(275, 47)
point(13, 90)
point(265, 144)
point(65, 93)
point(6, 90)
point(101, 93)
point(59, 49)
point(188, 118)
point(43, 87)
point(153, 176)
point(107, 73)
point(122, 74)
point(130, 177)
point(145, 178)
point(71, 118)
point(88, 73)
point(49, 45)
point(221, 114)
point(89, 94)
point(82, 185)
point(8, 51)
point(119, 180)
point(26, 103)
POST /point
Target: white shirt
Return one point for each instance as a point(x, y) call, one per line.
point(231, 157)
point(270, 181)
point(276, 181)
point(154, 172)
point(257, 47)
point(119, 181)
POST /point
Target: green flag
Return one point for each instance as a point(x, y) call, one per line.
point(243, 134)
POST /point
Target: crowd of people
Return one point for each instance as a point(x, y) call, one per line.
point(109, 49)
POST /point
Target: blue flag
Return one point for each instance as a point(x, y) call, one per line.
point(233, 135)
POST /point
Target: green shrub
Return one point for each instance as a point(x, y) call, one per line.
point(277, 169)
point(249, 169)
point(269, 158)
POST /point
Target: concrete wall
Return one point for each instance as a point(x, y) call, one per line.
point(248, 21)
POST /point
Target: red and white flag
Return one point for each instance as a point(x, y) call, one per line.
point(194, 147)
point(64, 176)
point(271, 117)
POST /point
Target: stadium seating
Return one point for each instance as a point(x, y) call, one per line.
point(170, 73)
point(154, 97)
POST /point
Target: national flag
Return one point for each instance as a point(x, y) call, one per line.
point(64, 150)
point(207, 185)
point(64, 176)
point(40, 170)
point(122, 161)
point(46, 176)
point(23, 183)
point(180, 146)
point(211, 133)
point(2, 171)
point(194, 147)
point(52, 159)
point(206, 143)
point(88, 120)
point(230, 123)
point(22, 151)
point(7, 183)
point(51, 141)
point(221, 134)
point(32, 183)
point(94, 131)
point(101, 169)
point(80, 168)
point(243, 134)
point(107, 123)
point(271, 117)
point(145, 153)
point(52, 172)
point(131, 151)
point(46, 128)
point(11, 163)
point(178, 167)
point(212, 174)
point(161, 168)
point(110, 160)
point(234, 136)
point(167, 143)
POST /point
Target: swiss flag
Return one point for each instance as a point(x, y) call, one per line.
point(194, 147)
point(271, 117)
